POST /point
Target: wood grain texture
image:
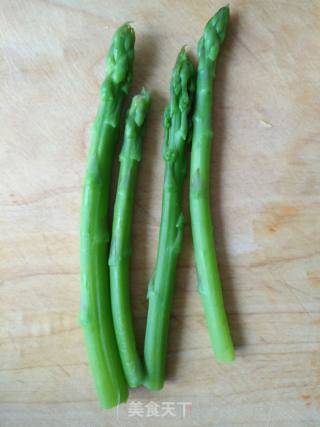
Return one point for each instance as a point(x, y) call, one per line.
point(265, 202)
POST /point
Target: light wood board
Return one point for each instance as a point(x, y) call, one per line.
point(265, 203)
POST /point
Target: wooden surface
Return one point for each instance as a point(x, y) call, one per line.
point(265, 199)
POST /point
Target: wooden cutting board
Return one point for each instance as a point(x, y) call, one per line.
point(265, 203)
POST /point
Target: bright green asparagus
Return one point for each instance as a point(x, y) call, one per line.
point(177, 135)
point(209, 284)
point(95, 310)
point(120, 249)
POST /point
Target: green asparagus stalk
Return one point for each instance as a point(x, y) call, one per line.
point(161, 286)
point(95, 310)
point(120, 249)
point(209, 285)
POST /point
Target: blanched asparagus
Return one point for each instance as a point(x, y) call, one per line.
point(120, 249)
point(161, 286)
point(209, 284)
point(95, 310)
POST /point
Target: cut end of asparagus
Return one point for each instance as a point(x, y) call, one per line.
point(153, 383)
point(214, 34)
point(228, 357)
point(109, 402)
point(119, 62)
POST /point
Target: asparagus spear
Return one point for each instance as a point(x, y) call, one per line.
point(161, 286)
point(95, 310)
point(121, 236)
point(209, 284)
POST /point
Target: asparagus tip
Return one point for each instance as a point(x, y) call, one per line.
point(140, 105)
point(120, 56)
point(213, 35)
point(219, 23)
